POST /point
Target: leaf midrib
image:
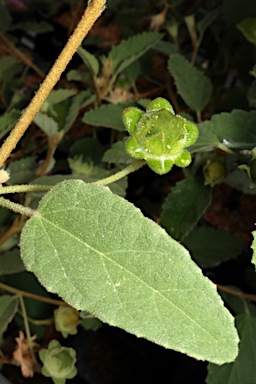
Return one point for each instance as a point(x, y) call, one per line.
point(129, 273)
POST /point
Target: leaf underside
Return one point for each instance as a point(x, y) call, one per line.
point(100, 254)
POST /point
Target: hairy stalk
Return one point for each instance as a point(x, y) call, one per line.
point(91, 14)
point(20, 55)
point(25, 188)
point(33, 296)
point(18, 208)
point(137, 164)
point(27, 330)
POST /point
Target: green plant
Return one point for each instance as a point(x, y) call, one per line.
point(59, 362)
point(158, 136)
point(97, 251)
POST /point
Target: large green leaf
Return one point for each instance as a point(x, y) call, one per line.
point(192, 85)
point(243, 370)
point(232, 130)
point(100, 254)
point(8, 308)
point(184, 206)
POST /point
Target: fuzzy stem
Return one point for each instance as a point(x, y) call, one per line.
point(20, 55)
point(25, 188)
point(27, 329)
point(33, 296)
point(91, 14)
point(18, 208)
point(137, 164)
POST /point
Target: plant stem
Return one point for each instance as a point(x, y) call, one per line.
point(25, 188)
point(33, 296)
point(247, 296)
point(137, 164)
point(91, 14)
point(20, 55)
point(225, 148)
point(18, 208)
point(198, 116)
point(27, 330)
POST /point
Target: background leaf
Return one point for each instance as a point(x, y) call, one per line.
point(184, 206)
point(243, 370)
point(8, 308)
point(233, 130)
point(206, 246)
point(109, 116)
point(10, 262)
point(98, 252)
point(73, 109)
point(58, 95)
point(48, 125)
point(88, 148)
point(131, 49)
point(117, 154)
point(89, 60)
point(251, 95)
point(248, 27)
point(192, 85)
point(22, 171)
point(7, 121)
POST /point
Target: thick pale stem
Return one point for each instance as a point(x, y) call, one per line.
point(91, 14)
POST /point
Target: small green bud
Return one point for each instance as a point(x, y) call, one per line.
point(215, 172)
point(59, 362)
point(159, 136)
point(66, 320)
point(253, 169)
point(79, 166)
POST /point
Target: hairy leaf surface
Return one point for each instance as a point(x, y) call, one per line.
point(100, 254)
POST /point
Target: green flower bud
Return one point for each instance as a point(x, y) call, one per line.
point(66, 320)
point(159, 136)
point(79, 166)
point(253, 169)
point(214, 172)
point(59, 362)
